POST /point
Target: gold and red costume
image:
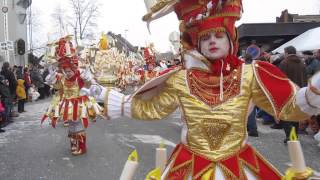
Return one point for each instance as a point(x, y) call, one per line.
point(68, 104)
point(215, 130)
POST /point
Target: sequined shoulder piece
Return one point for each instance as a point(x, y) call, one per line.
point(275, 84)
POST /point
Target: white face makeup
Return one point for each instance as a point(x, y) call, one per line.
point(215, 45)
point(69, 73)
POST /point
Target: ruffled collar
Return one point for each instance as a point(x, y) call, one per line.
point(196, 61)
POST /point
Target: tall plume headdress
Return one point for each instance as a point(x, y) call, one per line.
point(199, 17)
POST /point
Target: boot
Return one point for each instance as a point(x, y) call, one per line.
point(65, 124)
point(73, 143)
point(81, 141)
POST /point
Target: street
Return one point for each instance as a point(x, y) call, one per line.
point(31, 152)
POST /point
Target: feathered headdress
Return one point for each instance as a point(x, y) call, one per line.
point(199, 17)
point(66, 54)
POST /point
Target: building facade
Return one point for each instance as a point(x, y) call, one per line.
point(13, 22)
point(287, 17)
point(269, 36)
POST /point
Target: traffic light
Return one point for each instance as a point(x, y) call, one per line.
point(21, 46)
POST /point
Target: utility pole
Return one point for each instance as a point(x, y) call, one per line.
point(5, 28)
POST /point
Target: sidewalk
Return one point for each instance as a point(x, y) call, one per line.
point(27, 108)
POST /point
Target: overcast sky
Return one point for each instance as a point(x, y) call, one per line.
point(120, 15)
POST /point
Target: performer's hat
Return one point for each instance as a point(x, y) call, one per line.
point(66, 53)
point(199, 17)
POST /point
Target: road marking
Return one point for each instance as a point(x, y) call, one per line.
point(153, 139)
point(66, 159)
point(177, 123)
point(128, 139)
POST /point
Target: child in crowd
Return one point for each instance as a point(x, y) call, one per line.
point(33, 93)
point(21, 95)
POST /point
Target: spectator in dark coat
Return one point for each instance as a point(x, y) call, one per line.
point(9, 75)
point(295, 69)
point(313, 63)
point(6, 96)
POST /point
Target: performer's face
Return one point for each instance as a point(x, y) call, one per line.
point(69, 73)
point(215, 45)
point(150, 67)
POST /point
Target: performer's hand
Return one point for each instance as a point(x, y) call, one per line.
point(96, 91)
point(52, 76)
point(86, 75)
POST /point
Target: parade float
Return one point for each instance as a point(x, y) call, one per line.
point(110, 66)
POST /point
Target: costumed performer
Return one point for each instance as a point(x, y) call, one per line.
point(71, 103)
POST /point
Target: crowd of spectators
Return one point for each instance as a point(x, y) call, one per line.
point(299, 68)
point(19, 85)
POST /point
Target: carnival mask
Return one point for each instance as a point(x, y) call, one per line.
point(214, 45)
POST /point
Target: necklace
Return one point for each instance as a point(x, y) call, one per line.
point(210, 93)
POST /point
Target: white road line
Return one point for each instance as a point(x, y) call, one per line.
point(128, 139)
point(153, 139)
point(177, 123)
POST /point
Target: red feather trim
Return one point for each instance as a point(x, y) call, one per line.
point(44, 117)
point(85, 122)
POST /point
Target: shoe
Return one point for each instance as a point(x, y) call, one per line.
point(66, 124)
point(2, 130)
point(78, 152)
point(81, 145)
point(253, 133)
point(276, 126)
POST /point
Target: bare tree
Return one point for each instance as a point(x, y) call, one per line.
point(83, 19)
point(58, 16)
point(35, 39)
